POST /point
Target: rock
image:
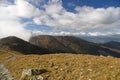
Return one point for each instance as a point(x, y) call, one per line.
point(33, 78)
point(56, 67)
point(4, 73)
point(38, 71)
point(26, 72)
point(32, 72)
point(40, 77)
point(61, 69)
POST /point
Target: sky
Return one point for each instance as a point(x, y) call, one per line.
point(25, 18)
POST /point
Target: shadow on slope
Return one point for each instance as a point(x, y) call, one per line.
point(70, 44)
point(113, 44)
point(20, 45)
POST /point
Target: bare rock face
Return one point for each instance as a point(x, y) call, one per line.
point(34, 73)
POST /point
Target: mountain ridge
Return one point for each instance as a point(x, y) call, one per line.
point(17, 44)
point(44, 44)
point(70, 44)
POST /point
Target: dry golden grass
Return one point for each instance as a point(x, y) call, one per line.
point(68, 66)
point(4, 56)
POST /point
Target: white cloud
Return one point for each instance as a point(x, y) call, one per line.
point(61, 33)
point(4, 2)
point(10, 18)
point(97, 34)
point(25, 9)
point(13, 28)
point(65, 33)
point(86, 20)
point(35, 2)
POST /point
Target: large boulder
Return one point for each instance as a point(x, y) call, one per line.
point(33, 72)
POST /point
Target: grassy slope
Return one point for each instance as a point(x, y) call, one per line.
point(113, 44)
point(4, 56)
point(19, 45)
point(69, 66)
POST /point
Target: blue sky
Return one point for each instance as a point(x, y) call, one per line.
point(59, 17)
point(94, 3)
point(71, 4)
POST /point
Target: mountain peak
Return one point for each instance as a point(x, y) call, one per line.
point(17, 44)
point(10, 39)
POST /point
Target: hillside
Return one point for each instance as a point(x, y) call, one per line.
point(74, 63)
point(113, 44)
point(17, 44)
point(70, 44)
point(68, 66)
point(4, 56)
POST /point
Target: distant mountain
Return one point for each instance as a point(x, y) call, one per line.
point(101, 39)
point(70, 44)
point(113, 44)
point(20, 45)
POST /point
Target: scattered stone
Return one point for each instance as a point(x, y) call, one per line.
point(101, 56)
point(38, 71)
point(40, 77)
point(56, 67)
point(108, 56)
point(4, 73)
point(32, 72)
point(111, 67)
point(33, 78)
point(61, 69)
point(26, 72)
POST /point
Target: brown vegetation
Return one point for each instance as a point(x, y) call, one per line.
point(4, 56)
point(68, 66)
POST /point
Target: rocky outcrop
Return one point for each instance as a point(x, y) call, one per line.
point(32, 73)
point(37, 78)
point(4, 73)
point(40, 78)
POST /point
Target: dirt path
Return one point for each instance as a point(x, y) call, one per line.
point(4, 72)
point(13, 57)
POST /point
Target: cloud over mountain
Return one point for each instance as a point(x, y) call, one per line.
point(51, 13)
